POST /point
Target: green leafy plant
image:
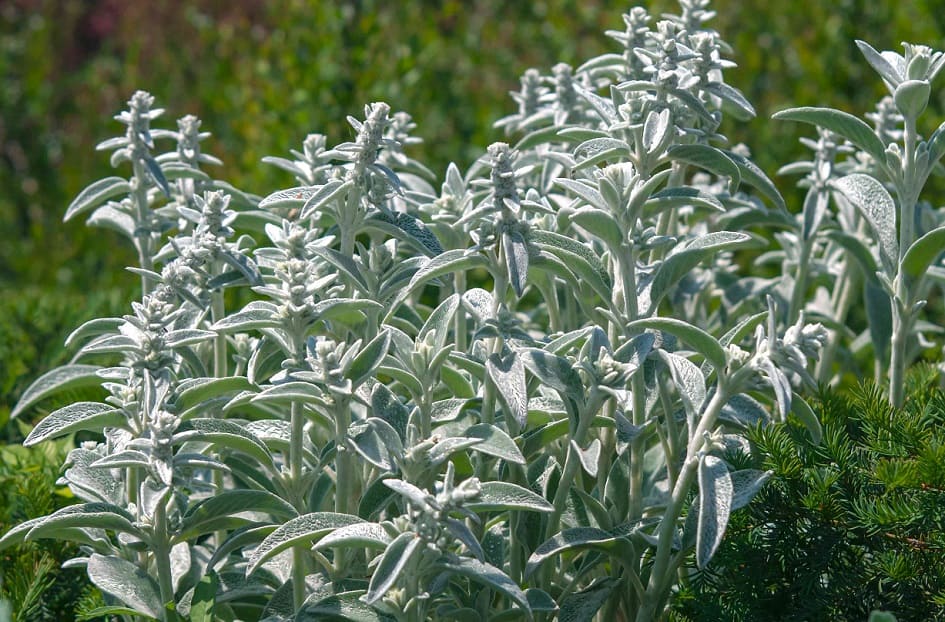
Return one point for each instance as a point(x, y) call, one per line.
point(846, 526)
point(517, 395)
point(33, 586)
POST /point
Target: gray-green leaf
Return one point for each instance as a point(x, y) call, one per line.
point(516, 260)
point(302, 529)
point(200, 518)
point(703, 343)
point(508, 375)
point(582, 606)
point(60, 379)
point(873, 200)
point(346, 606)
point(848, 126)
point(495, 442)
point(488, 575)
point(396, 557)
point(715, 505)
point(126, 582)
point(96, 194)
point(802, 410)
point(922, 253)
point(503, 496)
point(79, 416)
point(708, 158)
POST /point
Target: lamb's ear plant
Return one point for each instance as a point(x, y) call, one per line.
point(891, 171)
point(508, 401)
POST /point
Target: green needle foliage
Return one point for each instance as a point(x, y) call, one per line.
point(32, 581)
point(853, 524)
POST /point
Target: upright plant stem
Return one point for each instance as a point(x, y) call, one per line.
point(799, 293)
point(459, 319)
point(572, 462)
point(897, 362)
point(296, 446)
point(162, 558)
point(143, 237)
point(661, 573)
point(902, 317)
point(500, 284)
point(217, 312)
point(842, 299)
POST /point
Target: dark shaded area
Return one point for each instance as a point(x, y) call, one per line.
point(853, 524)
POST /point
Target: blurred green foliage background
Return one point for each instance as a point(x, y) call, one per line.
point(262, 75)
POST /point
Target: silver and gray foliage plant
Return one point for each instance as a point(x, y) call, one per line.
point(880, 241)
point(511, 397)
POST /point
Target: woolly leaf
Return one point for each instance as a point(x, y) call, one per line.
point(704, 343)
point(300, 530)
point(710, 159)
point(516, 260)
point(366, 362)
point(126, 582)
point(802, 410)
point(600, 224)
point(84, 516)
point(93, 416)
point(223, 433)
point(358, 535)
point(576, 539)
point(62, 378)
point(96, 194)
point(488, 575)
point(395, 558)
point(676, 266)
point(508, 375)
point(257, 314)
point(439, 321)
point(873, 200)
point(583, 606)
point(554, 372)
point(202, 517)
point(715, 505)
point(921, 254)
point(848, 126)
point(745, 485)
point(503, 496)
point(346, 606)
point(495, 442)
point(753, 176)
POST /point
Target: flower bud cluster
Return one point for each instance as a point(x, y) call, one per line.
point(606, 371)
point(153, 317)
point(637, 23)
point(504, 192)
point(568, 105)
point(432, 517)
point(189, 138)
point(138, 118)
point(790, 354)
point(326, 359)
point(531, 95)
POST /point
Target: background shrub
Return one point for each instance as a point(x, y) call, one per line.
point(853, 524)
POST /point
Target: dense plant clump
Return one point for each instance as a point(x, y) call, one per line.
point(34, 586)
point(854, 523)
point(521, 393)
